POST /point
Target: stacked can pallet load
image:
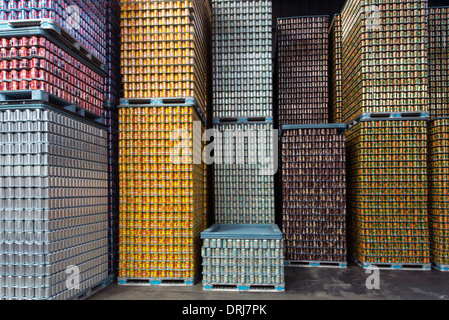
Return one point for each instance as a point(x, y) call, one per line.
point(388, 193)
point(111, 119)
point(244, 181)
point(162, 194)
point(335, 71)
point(233, 257)
point(53, 204)
point(242, 59)
point(38, 58)
point(438, 62)
point(439, 192)
point(302, 57)
point(85, 20)
point(112, 92)
point(385, 57)
point(165, 49)
point(163, 182)
point(314, 195)
point(243, 258)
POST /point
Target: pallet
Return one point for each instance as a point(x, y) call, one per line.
point(164, 102)
point(31, 96)
point(248, 120)
point(244, 287)
point(383, 116)
point(394, 266)
point(155, 282)
point(91, 291)
point(316, 264)
point(441, 267)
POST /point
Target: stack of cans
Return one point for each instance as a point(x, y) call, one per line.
point(165, 61)
point(235, 254)
point(85, 20)
point(314, 194)
point(388, 192)
point(439, 192)
point(162, 193)
point(248, 258)
point(165, 49)
point(242, 58)
point(111, 119)
point(113, 90)
point(53, 204)
point(302, 58)
point(244, 181)
point(438, 62)
point(385, 57)
point(43, 62)
point(335, 71)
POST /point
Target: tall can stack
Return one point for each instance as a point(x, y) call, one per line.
point(386, 104)
point(302, 55)
point(314, 195)
point(112, 94)
point(163, 181)
point(385, 57)
point(313, 158)
point(388, 193)
point(53, 206)
point(439, 192)
point(438, 62)
point(335, 71)
point(244, 153)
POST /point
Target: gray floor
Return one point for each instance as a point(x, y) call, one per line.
point(307, 284)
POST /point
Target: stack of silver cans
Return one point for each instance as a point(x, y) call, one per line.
point(244, 168)
point(53, 204)
point(255, 262)
point(242, 58)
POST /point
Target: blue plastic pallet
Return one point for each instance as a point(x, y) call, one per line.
point(388, 116)
point(155, 282)
point(248, 120)
point(244, 287)
point(243, 232)
point(316, 264)
point(394, 266)
point(441, 267)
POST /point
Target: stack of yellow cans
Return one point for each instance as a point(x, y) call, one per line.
point(162, 193)
point(162, 118)
point(439, 192)
point(164, 49)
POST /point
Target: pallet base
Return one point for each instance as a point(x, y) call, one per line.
point(441, 267)
point(91, 291)
point(244, 288)
point(230, 120)
point(155, 282)
point(316, 264)
point(394, 266)
point(24, 97)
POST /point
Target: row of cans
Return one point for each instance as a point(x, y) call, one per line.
point(133, 270)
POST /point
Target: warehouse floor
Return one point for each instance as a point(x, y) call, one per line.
point(307, 283)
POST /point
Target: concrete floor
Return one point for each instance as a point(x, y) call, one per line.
point(307, 284)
